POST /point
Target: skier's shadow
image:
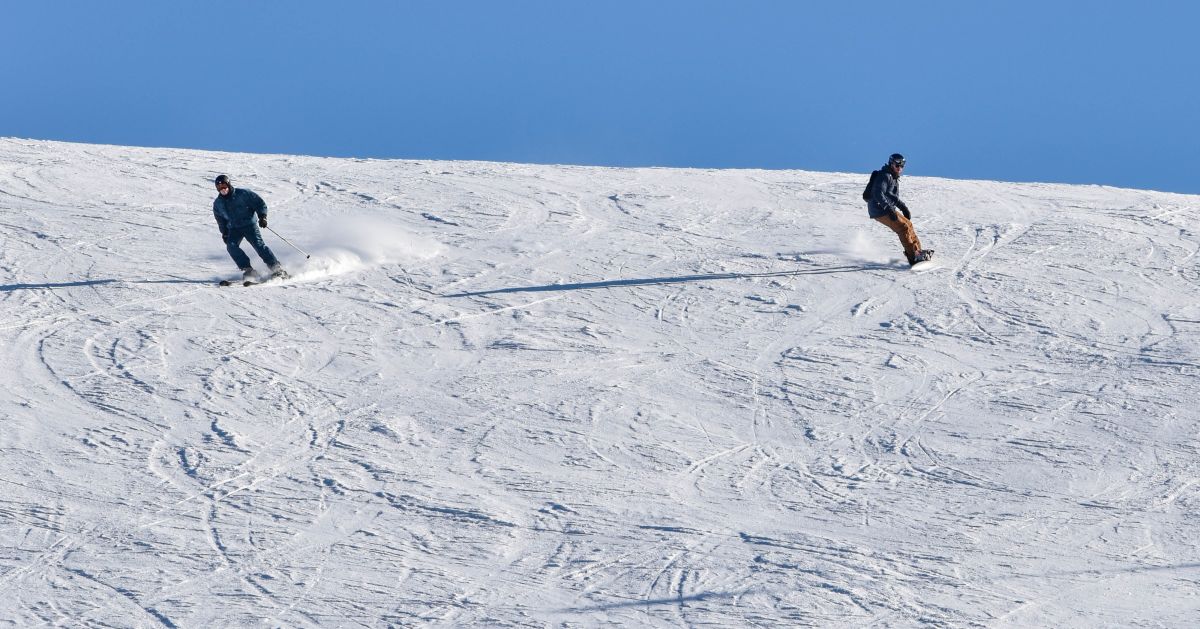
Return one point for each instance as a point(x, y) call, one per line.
point(680, 601)
point(678, 279)
point(8, 288)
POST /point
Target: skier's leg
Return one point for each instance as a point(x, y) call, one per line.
point(234, 246)
point(254, 237)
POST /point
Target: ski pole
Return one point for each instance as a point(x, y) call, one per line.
point(306, 255)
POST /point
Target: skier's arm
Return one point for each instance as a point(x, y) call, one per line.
point(260, 208)
point(222, 223)
point(258, 204)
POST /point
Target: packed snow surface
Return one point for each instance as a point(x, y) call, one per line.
point(510, 395)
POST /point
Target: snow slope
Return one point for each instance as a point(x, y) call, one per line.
point(509, 395)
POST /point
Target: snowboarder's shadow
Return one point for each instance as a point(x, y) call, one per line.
point(678, 279)
point(8, 288)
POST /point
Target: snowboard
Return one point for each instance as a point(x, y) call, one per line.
point(926, 265)
point(921, 267)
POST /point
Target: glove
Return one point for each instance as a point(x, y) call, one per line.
point(904, 208)
point(262, 222)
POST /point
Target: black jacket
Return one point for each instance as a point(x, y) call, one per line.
point(884, 193)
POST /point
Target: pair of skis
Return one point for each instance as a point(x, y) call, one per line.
point(272, 279)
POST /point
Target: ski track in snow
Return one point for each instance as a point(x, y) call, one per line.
point(568, 396)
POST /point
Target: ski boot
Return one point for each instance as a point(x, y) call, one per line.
point(277, 273)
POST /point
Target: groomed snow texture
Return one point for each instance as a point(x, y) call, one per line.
point(546, 396)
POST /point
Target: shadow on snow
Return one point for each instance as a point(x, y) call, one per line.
point(677, 600)
point(650, 281)
point(8, 288)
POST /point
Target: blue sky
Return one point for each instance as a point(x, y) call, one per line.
point(1103, 92)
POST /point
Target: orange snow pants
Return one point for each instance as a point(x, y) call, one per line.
point(904, 229)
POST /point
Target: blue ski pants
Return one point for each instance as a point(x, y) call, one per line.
point(233, 242)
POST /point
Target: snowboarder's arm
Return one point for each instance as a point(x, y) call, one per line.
point(880, 196)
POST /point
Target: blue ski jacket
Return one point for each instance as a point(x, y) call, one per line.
point(884, 197)
point(238, 209)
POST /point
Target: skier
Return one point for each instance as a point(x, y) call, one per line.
point(884, 205)
point(235, 209)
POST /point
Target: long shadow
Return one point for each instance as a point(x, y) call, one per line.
point(1103, 571)
point(649, 281)
point(678, 600)
point(8, 288)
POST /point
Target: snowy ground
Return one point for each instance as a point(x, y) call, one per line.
point(507, 395)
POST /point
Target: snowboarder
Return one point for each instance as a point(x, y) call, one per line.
point(235, 210)
point(884, 205)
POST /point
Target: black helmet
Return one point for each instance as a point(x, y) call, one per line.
point(221, 179)
point(896, 160)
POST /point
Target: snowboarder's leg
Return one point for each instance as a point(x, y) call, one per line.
point(908, 236)
point(254, 237)
point(234, 246)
